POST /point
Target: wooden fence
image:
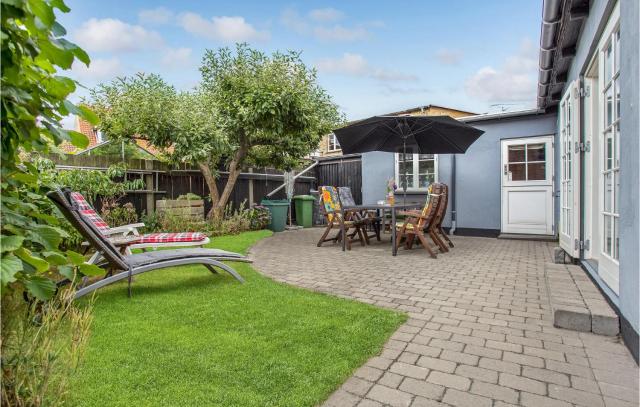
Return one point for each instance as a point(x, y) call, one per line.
point(165, 181)
point(342, 171)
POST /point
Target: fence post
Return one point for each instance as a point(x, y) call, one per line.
point(251, 201)
point(150, 187)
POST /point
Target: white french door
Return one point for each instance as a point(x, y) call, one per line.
point(609, 152)
point(527, 185)
point(569, 226)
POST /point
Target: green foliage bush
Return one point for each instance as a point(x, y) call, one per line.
point(233, 222)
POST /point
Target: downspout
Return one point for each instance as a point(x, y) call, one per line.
point(453, 196)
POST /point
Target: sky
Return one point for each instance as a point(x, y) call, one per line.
point(373, 57)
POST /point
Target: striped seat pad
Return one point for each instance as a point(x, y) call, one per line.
point(184, 237)
point(88, 213)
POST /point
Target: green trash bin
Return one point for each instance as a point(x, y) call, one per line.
point(279, 209)
point(304, 210)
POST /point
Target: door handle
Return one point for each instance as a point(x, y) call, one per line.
point(506, 170)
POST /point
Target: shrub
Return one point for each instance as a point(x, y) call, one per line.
point(189, 197)
point(233, 222)
point(117, 215)
point(42, 344)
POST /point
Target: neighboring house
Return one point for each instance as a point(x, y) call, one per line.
point(97, 140)
point(329, 145)
point(589, 72)
point(568, 169)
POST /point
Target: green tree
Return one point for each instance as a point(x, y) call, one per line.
point(250, 109)
point(34, 101)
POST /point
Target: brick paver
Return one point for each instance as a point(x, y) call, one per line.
point(479, 331)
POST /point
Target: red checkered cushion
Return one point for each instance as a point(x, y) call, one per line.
point(172, 237)
point(88, 213)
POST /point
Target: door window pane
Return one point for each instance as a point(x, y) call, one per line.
point(616, 239)
point(517, 172)
point(536, 171)
point(607, 63)
point(608, 153)
point(616, 190)
point(608, 100)
point(607, 191)
point(535, 152)
point(607, 234)
point(516, 154)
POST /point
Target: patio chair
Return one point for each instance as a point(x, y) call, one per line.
point(419, 224)
point(442, 211)
point(128, 237)
point(332, 211)
point(119, 267)
point(369, 218)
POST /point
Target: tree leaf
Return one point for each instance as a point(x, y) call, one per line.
point(10, 243)
point(91, 270)
point(47, 236)
point(75, 258)
point(40, 265)
point(55, 258)
point(78, 139)
point(9, 266)
point(40, 287)
point(66, 271)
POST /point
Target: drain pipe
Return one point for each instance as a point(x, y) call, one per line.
point(452, 192)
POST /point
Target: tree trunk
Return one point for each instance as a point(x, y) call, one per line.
point(213, 186)
point(234, 172)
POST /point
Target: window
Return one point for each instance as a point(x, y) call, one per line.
point(610, 144)
point(527, 162)
point(420, 169)
point(333, 144)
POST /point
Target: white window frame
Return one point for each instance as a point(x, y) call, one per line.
point(415, 173)
point(332, 143)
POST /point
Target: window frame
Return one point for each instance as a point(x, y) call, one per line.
point(415, 173)
point(332, 139)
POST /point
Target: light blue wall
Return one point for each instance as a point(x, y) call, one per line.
point(478, 170)
point(629, 163)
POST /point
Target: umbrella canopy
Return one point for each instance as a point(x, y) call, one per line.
point(425, 134)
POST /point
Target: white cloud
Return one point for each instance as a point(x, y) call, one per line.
point(356, 65)
point(340, 33)
point(350, 64)
point(317, 23)
point(226, 29)
point(449, 56)
point(176, 57)
point(515, 81)
point(112, 35)
point(98, 70)
point(326, 15)
point(159, 15)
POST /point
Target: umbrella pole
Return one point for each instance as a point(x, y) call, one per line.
point(404, 169)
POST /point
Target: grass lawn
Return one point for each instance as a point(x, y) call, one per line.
point(190, 338)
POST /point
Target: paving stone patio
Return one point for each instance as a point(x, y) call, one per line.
point(479, 333)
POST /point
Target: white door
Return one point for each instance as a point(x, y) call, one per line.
point(609, 151)
point(527, 185)
point(569, 230)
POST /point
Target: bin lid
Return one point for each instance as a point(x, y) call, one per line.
point(305, 197)
point(274, 202)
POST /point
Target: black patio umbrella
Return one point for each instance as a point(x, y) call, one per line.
point(424, 134)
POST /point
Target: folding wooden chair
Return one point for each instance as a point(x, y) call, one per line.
point(419, 224)
point(332, 210)
point(369, 218)
point(440, 216)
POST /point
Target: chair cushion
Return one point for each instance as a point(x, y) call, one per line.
point(158, 256)
point(184, 237)
point(88, 213)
